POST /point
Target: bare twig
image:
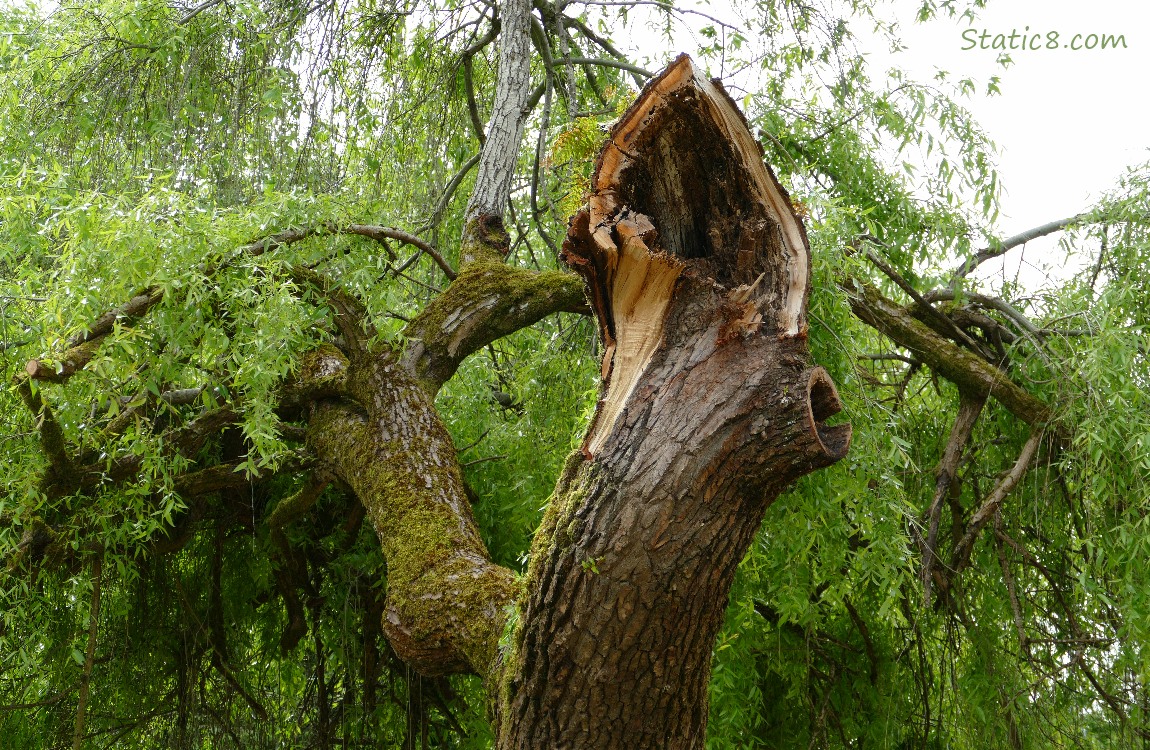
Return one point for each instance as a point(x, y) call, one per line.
point(474, 461)
point(448, 194)
point(985, 513)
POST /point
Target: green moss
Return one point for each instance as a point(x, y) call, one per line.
point(487, 301)
point(570, 493)
point(420, 513)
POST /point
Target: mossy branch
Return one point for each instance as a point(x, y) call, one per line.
point(445, 598)
point(489, 300)
point(966, 370)
point(80, 349)
point(52, 439)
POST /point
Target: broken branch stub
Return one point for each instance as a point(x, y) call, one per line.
point(683, 207)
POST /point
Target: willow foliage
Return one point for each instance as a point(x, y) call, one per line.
point(151, 145)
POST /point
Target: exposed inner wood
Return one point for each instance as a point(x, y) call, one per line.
point(681, 188)
point(640, 284)
point(683, 156)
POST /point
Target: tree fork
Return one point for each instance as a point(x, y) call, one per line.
point(698, 270)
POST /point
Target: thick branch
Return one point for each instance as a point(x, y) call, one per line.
point(445, 599)
point(80, 349)
point(184, 441)
point(489, 300)
point(697, 270)
point(942, 322)
point(51, 434)
point(508, 114)
point(966, 370)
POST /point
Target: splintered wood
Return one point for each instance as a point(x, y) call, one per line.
point(681, 188)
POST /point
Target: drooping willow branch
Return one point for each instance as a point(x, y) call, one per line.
point(985, 513)
point(79, 350)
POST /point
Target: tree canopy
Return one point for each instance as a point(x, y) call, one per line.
point(195, 198)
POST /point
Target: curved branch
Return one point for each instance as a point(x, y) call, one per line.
point(961, 556)
point(350, 314)
point(379, 234)
point(997, 248)
point(445, 199)
point(487, 302)
point(472, 105)
point(446, 600)
point(606, 45)
point(986, 301)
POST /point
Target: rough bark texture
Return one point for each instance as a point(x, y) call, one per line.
point(505, 129)
point(697, 268)
point(384, 439)
point(487, 301)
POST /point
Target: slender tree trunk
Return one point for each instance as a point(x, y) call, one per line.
point(509, 112)
point(698, 269)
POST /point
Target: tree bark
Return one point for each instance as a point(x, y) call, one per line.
point(697, 268)
point(384, 439)
point(509, 113)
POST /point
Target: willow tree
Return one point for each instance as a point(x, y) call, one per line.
point(496, 491)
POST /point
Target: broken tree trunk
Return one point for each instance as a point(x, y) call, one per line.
point(698, 270)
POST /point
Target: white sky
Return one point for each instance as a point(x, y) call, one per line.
point(1067, 122)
